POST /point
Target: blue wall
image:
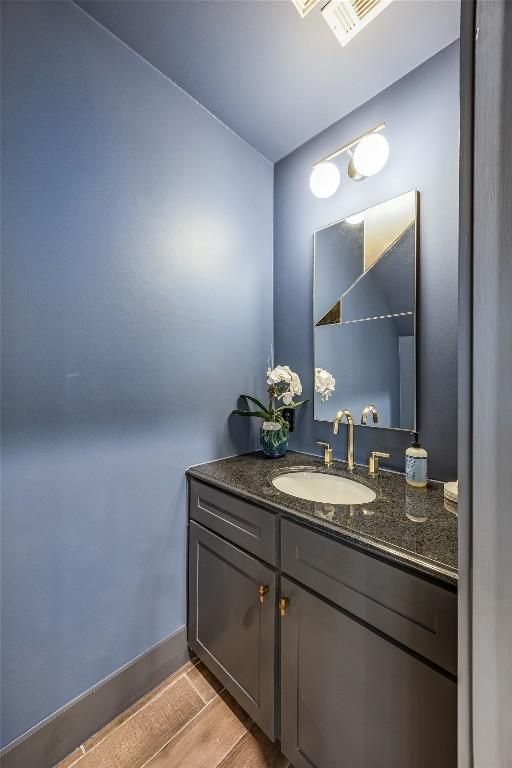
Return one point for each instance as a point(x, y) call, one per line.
point(136, 286)
point(422, 116)
point(137, 273)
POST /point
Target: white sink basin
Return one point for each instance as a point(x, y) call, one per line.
point(322, 487)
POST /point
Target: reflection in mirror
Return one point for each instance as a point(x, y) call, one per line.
point(365, 312)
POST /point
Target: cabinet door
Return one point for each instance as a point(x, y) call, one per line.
point(231, 627)
point(352, 699)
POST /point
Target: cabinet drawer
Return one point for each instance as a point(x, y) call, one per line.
point(413, 611)
point(245, 524)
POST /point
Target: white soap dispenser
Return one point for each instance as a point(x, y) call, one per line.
point(416, 464)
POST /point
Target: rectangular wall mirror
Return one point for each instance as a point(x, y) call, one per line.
point(364, 307)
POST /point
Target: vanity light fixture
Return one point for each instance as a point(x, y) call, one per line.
point(324, 180)
point(370, 155)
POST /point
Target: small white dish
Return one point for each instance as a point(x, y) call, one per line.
point(451, 491)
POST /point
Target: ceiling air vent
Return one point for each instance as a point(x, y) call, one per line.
point(305, 6)
point(348, 17)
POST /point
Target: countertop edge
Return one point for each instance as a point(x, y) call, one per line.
point(439, 574)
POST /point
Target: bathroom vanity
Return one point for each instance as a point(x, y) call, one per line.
point(333, 626)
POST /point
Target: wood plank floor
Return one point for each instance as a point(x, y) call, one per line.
point(188, 721)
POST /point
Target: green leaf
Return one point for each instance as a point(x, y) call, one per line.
point(292, 405)
point(256, 402)
point(259, 414)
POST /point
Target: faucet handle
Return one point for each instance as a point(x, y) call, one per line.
point(366, 411)
point(327, 452)
point(373, 461)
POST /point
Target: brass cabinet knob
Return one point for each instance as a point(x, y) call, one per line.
point(283, 605)
point(262, 591)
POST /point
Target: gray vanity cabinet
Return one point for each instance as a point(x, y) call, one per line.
point(232, 621)
point(363, 658)
point(351, 697)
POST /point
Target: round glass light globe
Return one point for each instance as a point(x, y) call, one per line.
point(324, 180)
point(371, 154)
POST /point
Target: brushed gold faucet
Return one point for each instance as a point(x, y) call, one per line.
point(373, 462)
point(350, 435)
point(366, 412)
point(327, 452)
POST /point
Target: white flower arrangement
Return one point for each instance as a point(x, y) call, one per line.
point(325, 383)
point(282, 374)
point(283, 384)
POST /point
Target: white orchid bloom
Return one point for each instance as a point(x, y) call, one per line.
point(278, 374)
point(271, 426)
point(282, 374)
point(295, 385)
point(325, 383)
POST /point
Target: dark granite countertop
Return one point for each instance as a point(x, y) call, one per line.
point(411, 527)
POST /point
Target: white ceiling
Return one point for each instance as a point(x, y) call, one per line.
point(276, 79)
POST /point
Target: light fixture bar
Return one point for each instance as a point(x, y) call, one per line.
point(349, 144)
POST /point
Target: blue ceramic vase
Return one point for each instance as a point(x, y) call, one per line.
point(274, 442)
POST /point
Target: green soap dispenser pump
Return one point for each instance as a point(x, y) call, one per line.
point(416, 464)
